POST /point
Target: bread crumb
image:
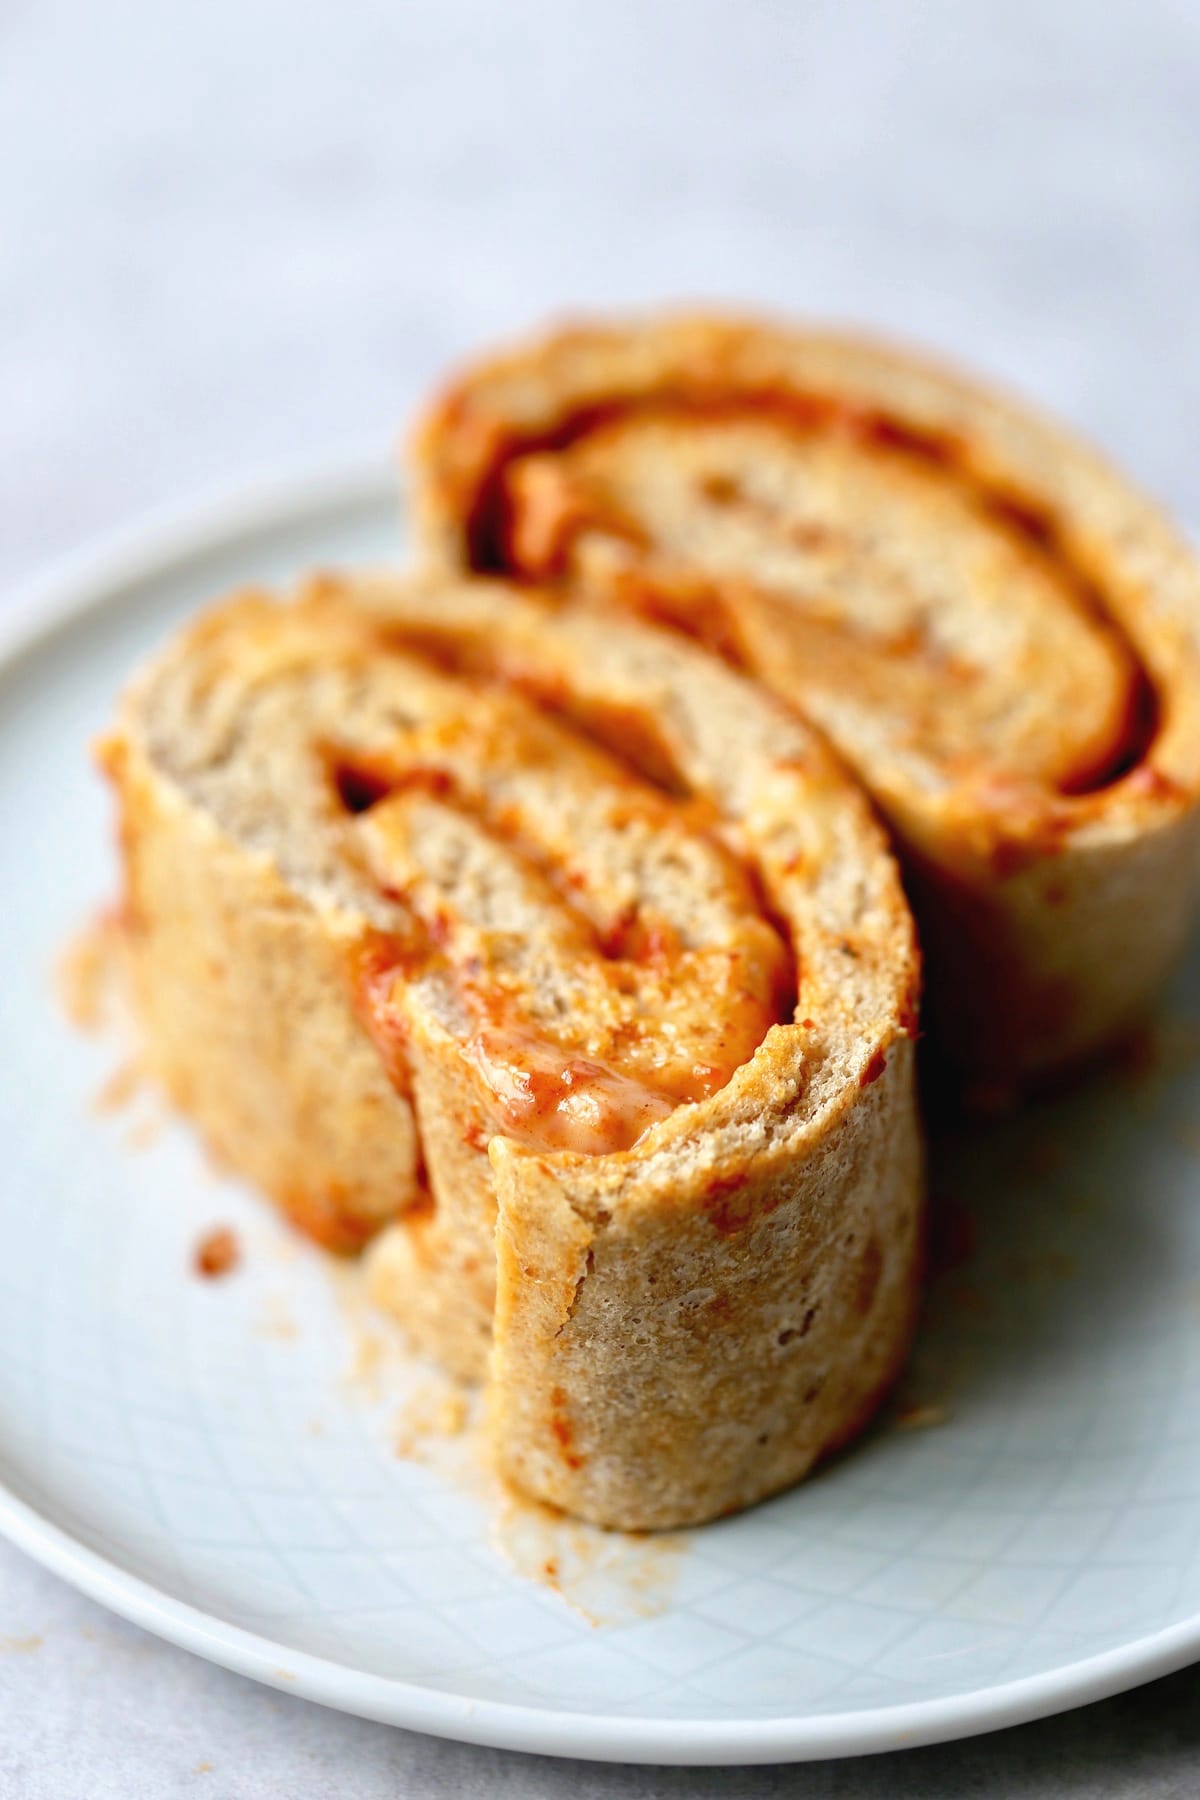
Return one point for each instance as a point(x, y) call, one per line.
point(22, 1646)
point(118, 1090)
point(437, 1410)
point(921, 1418)
point(144, 1131)
point(604, 1577)
point(87, 973)
point(365, 1358)
point(217, 1253)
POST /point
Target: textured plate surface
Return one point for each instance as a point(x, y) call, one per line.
point(1022, 1532)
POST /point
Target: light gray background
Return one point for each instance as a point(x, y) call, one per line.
point(240, 233)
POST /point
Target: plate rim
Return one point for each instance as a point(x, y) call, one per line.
point(37, 611)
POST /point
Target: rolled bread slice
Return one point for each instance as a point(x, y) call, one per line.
point(998, 634)
point(550, 946)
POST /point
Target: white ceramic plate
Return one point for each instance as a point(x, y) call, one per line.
point(195, 1455)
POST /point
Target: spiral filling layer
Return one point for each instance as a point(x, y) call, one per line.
point(998, 635)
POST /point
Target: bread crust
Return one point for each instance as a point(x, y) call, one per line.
point(670, 1329)
point(240, 991)
point(1053, 853)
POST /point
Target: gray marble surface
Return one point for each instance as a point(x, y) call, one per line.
point(246, 233)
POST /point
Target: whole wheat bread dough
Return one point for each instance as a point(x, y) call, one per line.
point(999, 635)
point(557, 961)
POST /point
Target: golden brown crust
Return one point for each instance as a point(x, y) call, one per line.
point(381, 867)
point(997, 632)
